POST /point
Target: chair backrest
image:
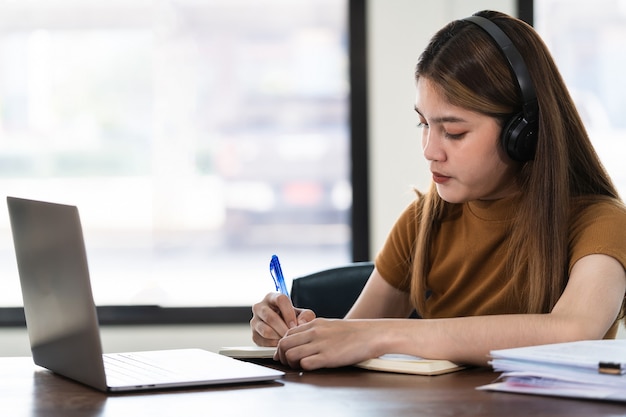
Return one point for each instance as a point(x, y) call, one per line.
point(331, 293)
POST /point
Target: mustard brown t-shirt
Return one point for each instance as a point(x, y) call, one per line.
point(468, 271)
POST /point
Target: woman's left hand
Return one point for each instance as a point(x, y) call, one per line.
point(327, 343)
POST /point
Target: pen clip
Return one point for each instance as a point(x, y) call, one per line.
point(277, 276)
point(610, 368)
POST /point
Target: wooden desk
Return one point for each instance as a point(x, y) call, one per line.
point(26, 390)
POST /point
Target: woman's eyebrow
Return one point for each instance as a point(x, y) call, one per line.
point(443, 119)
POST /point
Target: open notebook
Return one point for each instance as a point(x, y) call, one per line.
point(62, 320)
point(407, 364)
point(403, 364)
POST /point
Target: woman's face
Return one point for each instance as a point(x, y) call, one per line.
point(463, 149)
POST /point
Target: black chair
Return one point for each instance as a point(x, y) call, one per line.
point(331, 293)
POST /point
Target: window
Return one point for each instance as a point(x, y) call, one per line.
point(588, 41)
point(197, 138)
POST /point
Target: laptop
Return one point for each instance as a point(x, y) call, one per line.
point(62, 321)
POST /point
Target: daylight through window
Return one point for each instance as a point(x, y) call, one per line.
point(197, 138)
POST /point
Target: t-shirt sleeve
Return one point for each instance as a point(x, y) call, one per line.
point(395, 259)
point(599, 229)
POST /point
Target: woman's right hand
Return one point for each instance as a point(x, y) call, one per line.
point(273, 316)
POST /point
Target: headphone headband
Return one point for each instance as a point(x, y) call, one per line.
point(515, 61)
point(521, 133)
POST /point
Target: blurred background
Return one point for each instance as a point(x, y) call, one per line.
point(197, 138)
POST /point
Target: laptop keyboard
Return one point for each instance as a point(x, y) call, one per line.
point(133, 369)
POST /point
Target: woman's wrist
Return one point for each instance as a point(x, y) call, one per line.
point(392, 336)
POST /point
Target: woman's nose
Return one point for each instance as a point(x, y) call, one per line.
point(431, 147)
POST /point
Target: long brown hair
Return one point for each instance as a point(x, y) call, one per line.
point(464, 63)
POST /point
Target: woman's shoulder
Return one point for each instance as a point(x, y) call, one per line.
point(597, 225)
point(593, 206)
point(597, 215)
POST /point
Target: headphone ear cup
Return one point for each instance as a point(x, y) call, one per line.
point(519, 138)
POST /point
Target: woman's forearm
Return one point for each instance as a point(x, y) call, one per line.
point(469, 340)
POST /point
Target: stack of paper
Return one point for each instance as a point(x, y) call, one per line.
point(594, 369)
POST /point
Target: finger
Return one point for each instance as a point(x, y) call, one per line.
point(286, 311)
point(312, 362)
point(305, 316)
point(273, 316)
point(267, 320)
point(262, 334)
point(294, 348)
point(288, 346)
point(259, 340)
point(281, 355)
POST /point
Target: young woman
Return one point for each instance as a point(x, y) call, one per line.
point(521, 240)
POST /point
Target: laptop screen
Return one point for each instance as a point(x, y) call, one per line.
point(58, 303)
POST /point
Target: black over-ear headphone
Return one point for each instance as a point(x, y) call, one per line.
point(519, 135)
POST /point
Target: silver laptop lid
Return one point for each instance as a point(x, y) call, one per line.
point(58, 303)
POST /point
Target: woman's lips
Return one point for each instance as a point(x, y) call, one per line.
point(440, 178)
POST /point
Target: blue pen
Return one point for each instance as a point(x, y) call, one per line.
point(277, 275)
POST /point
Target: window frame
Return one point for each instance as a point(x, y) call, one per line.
point(526, 11)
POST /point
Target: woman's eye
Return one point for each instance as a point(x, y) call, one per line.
point(454, 135)
point(422, 124)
